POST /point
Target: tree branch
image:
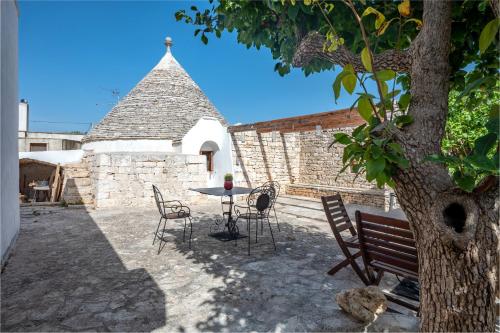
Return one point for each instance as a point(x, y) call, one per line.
point(312, 47)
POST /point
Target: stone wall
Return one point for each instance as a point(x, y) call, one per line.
point(291, 158)
point(320, 165)
point(303, 159)
point(126, 179)
point(262, 157)
point(77, 184)
point(359, 196)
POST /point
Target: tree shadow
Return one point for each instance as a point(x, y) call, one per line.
point(65, 275)
point(287, 289)
point(240, 159)
point(291, 177)
point(264, 157)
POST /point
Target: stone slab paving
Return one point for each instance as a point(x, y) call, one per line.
point(97, 270)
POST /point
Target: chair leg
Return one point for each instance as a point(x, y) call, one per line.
point(256, 228)
point(191, 230)
point(338, 267)
point(162, 233)
point(248, 229)
point(276, 217)
point(157, 228)
point(184, 234)
point(271, 230)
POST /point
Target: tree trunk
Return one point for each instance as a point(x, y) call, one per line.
point(456, 232)
point(457, 270)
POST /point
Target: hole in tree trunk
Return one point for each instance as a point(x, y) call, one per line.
point(455, 216)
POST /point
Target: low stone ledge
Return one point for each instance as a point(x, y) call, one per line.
point(360, 196)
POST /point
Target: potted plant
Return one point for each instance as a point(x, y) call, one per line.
point(228, 181)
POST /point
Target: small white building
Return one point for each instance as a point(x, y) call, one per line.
point(43, 141)
point(166, 112)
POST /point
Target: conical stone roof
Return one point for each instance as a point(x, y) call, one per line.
point(165, 104)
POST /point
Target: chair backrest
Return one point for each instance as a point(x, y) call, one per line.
point(337, 216)
point(159, 200)
point(387, 240)
point(262, 198)
point(276, 186)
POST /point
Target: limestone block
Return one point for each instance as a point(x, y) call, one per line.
point(364, 304)
point(103, 160)
point(102, 195)
point(121, 160)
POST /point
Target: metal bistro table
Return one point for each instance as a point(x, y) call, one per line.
point(232, 228)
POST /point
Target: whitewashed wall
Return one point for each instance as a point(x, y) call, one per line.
point(54, 156)
point(107, 146)
point(211, 130)
point(9, 165)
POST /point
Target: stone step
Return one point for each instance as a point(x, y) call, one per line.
point(313, 208)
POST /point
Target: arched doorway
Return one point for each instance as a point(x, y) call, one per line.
point(209, 149)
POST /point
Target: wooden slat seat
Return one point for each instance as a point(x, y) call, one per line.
point(387, 245)
point(339, 221)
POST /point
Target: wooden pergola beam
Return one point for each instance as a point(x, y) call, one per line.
point(332, 119)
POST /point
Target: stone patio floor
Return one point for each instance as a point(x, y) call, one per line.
point(74, 269)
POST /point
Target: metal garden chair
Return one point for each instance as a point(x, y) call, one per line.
point(339, 221)
point(259, 204)
point(171, 210)
point(276, 187)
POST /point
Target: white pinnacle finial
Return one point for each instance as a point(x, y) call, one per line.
point(168, 43)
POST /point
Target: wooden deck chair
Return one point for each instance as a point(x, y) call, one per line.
point(339, 221)
point(387, 245)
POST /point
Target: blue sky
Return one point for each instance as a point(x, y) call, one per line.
point(72, 54)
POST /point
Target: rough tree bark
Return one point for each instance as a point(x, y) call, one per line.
point(456, 232)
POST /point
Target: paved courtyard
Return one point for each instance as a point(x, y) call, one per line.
point(96, 270)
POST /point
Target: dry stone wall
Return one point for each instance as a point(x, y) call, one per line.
point(126, 179)
point(77, 184)
point(304, 161)
point(259, 158)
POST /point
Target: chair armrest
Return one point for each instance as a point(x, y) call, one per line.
point(176, 206)
point(238, 209)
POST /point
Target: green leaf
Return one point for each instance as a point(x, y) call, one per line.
point(374, 167)
point(349, 69)
point(485, 143)
point(417, 22)
point(204, 39)
point(349, 82)
point(404, 101)
point(403, 120)
point(376, 151)
point(342, 138)
point(481, 162)
point(336, 87)
point(466, 182)
point(473, 86)
point(488, 34)
point(384, 26)
point(365, 108)
point(386, 75)
point(293, 11)
point(359, 134)
point(380, 18)
point(366, 60)
point(493, 126)
point(396, 147)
